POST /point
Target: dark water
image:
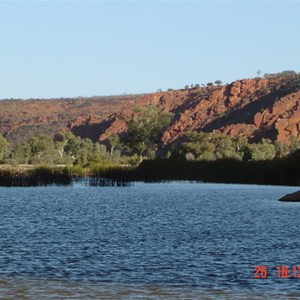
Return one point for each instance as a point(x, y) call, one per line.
point(148, 241)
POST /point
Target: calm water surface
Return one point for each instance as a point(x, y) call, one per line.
point(147, 241)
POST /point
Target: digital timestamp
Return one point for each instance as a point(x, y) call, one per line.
point(261, 272)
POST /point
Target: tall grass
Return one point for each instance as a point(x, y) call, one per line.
point(275, 172)
point(110, 175)
point(42, 175)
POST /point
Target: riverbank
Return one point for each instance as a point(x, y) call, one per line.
point(268, 172)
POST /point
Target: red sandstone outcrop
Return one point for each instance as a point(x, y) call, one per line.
point(284, 116)
point(213, 104)
point(250, 107)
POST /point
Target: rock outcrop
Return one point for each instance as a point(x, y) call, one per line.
point(294, 197)
point(255, 108)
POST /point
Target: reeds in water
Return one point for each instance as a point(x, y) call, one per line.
point(39, 176)
point(274, 172)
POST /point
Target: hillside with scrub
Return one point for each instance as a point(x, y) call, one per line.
point(248, 119)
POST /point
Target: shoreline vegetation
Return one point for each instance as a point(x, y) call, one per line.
point(283, 171)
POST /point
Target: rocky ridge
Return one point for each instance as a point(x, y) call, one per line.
point(255, 108)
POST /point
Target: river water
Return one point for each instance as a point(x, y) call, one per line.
point(148, 241)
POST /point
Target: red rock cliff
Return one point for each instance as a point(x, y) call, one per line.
point(255, 108)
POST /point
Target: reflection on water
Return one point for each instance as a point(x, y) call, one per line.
point(148, 241)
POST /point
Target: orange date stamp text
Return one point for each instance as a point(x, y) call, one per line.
point(261, 272)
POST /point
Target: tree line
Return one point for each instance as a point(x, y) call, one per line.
point(142, 140)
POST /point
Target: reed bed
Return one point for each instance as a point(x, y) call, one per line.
point(275, 172)
point(39, 176)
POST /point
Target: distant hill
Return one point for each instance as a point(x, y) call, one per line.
point(256, 108)
point(21, 119)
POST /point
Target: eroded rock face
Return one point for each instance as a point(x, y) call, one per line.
point(243, 88)
point(288, 117)
point(283, 116)
point(210, 107)
point(250, 107)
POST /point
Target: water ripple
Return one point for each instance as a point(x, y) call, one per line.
point(148, 241)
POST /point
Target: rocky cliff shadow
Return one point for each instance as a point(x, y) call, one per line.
point(92, 131)
point(192, 100)
point(246, 114)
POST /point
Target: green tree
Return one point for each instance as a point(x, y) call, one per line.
point(224, 147)
point(218, 82)
point(294, 143)
point(81, 150)
point(75, 150)
point(199, 144)
point(282, 149)
point(36, 150)
point(22, 153)
point(62, 139)
point(264, 150)
point(100, 155)
point(144, 130)
point(42, 150)
point(4, 147)
point(240, 144)
point(115, 143)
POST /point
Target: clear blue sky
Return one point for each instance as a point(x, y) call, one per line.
point(74, 48)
